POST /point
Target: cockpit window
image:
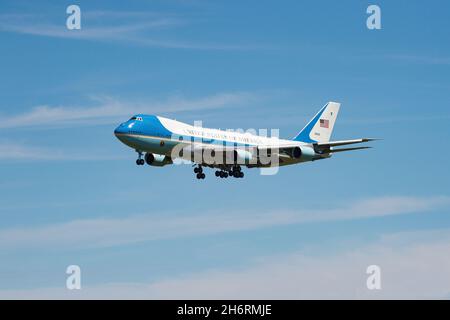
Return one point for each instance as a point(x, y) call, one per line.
point(136, 118)
point(133, 118)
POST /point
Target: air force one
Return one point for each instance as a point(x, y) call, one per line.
point(164, 140)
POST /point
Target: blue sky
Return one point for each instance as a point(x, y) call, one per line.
point(71, 193)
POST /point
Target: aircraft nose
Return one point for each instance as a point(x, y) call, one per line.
point(120, 129)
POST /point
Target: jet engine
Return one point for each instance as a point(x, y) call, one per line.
point(157, 160)
point(303, 153)
point(242, 156)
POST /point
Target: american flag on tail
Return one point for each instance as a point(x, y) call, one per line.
point(324, 123)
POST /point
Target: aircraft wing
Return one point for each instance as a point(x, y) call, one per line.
point(320, 145)
point(320, 148)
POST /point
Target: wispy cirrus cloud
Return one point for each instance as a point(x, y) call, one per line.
point(414, 270)
point(137, 28)
point(108, 109)
point(106, 232)
point(421, 59)
point(21, 151)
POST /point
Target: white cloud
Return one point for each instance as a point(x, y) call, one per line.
point(19, 151)
point(138, 28)
point(10, 151)
point(415, 270)
point(92, 233)
point(111, 110)
point(420, 59)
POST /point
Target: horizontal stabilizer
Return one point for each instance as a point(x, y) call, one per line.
point(348, 149)
point(343, 142)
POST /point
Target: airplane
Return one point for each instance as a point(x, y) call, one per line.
point(164, 140)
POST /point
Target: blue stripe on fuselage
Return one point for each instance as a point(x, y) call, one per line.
point(146, 134)
point(152, 126)
point(149, 125)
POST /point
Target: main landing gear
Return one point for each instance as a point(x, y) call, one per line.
point(234, 172)
point(199, 171)
point(140, 161)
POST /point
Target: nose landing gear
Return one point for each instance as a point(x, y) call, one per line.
point(140, 161)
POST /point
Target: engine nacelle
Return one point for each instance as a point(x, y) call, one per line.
point(242, 156)
point(157, 160)
point(304, 153)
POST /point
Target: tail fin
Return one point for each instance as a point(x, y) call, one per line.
point(320, 128)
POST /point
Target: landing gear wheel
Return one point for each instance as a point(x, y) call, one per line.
point(199, 172)
point(198, 169)
point(241, 174)
point(139, 160)
point(200, 176)
point(217, 173)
